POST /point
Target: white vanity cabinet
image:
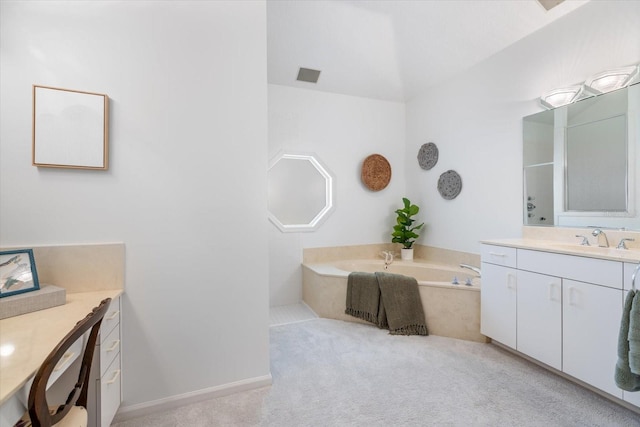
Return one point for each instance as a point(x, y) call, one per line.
point(498, 295)
point(565, 312)
point(591, 321)
point(539, 317)
point(106, 391)
point(498, 302)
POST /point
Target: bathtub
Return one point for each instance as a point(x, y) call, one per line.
point(450, 310)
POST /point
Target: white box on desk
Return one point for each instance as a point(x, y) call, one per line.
point(46, 297)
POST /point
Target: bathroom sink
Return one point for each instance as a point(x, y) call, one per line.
point(596, 250)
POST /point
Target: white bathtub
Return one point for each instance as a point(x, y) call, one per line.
point(450, 310)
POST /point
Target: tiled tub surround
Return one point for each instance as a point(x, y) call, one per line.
point(450, 310)
point(558, 303)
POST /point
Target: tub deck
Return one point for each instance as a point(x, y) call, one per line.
point(450, 310)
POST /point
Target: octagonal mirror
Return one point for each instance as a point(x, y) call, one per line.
point(299, 192)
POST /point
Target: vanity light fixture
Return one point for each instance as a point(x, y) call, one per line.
point(559, 97)
point(608, 81)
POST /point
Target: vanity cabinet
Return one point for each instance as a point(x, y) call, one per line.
point(106, 389)
point(498, 302)
point(564, 311)
point(539, 317)
point(498, 295)
point(590, 329)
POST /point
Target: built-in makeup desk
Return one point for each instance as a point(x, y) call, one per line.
point(89, 273)
point(26, 340)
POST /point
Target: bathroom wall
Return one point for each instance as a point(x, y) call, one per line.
point(475, 118)
point(184, 191)
point(342, 131)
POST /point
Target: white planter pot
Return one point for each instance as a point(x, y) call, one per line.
point(406, 254)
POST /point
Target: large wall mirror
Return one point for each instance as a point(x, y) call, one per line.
point(580, 163)
point(300, 192)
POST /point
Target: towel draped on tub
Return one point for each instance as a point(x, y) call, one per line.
point(627, 372)
point(387, 300)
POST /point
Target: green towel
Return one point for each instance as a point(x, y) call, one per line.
point(625, 379)
point(363, 298)
point(634, 335)
point(390, 301)
point(402, 304)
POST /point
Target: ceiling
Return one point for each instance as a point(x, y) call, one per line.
point(393, 50)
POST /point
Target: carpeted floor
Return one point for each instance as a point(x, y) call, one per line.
point(333, 373)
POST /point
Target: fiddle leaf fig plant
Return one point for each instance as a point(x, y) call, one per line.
point(404, 231)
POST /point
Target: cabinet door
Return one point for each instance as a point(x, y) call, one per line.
point(539, 313)
point(498, 303)
point(591, 320)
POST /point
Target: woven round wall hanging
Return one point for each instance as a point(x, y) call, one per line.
point(449, 184)
point(376, 172)
point(428, 155)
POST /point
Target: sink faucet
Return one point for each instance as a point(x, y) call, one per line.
point(470, 267)
point(601, 236)
point(621, 245)
point(585, 241)
point(388, 258)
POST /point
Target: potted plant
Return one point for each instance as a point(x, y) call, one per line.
point(404, 231)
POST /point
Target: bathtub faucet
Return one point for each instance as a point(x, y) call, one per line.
point(470, 267)
point(388, 258)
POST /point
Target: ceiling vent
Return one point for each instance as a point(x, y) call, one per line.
point(308, 75)
point(549, 4)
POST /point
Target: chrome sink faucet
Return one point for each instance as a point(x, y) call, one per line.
point(585, 240)
point(601, 236)
point(622, 245)
point(472, 268)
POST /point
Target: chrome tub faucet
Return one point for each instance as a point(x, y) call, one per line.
point(472, 268)
point(388, 258)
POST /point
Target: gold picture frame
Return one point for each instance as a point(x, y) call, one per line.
point(70, 129)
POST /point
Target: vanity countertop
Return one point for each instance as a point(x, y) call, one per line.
point(26, 340)
point(562, 247)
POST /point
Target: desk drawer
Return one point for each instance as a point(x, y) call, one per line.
point(109, 348)
point(70, 356)
point(110, 320)
point(110, 387)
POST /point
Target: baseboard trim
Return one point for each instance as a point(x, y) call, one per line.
point(139, 410)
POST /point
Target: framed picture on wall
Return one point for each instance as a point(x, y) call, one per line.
point(70, 128)
point(17, 272)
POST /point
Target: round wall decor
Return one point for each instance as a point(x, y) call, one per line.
point(376, 172)
point(428, 155)
point(449, 184)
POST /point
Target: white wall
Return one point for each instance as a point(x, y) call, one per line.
point(185, 189)
point(342, 130)
point(476, 120)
